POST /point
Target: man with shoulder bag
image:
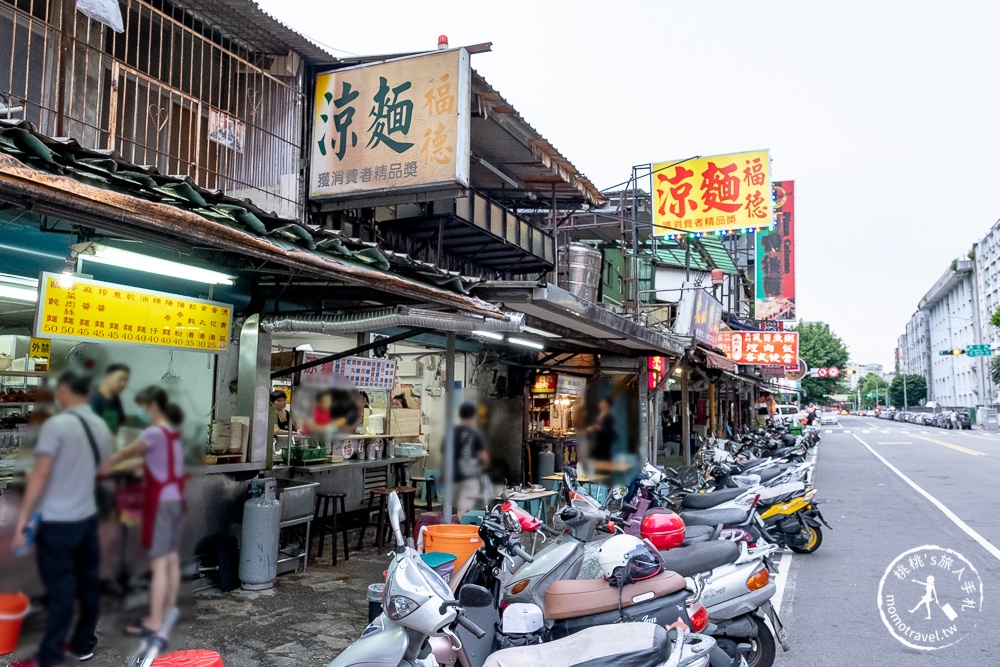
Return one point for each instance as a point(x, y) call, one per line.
point(74, 448)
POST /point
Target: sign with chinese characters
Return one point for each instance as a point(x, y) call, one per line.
point(775, 284)
point(349, 372)
point(710, 194)
point(655, 367)
point(393, 125)
point(571, 385)
point(545, 383)
point(40, 348)
point(84, 309)
point(764, 347)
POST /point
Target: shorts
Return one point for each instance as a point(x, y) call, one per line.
point(167, 529)
point(467, 494)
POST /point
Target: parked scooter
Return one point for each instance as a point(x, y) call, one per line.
point(419, 607)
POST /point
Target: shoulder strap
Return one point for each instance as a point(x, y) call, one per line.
point(90, 439)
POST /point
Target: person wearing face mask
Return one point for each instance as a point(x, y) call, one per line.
point(160, 447)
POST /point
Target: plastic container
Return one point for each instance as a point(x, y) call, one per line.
point(374, 596)
point(460, 540)
point(13, 608)
point(442, 563)
point(197, 658)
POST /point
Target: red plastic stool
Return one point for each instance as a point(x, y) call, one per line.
point(198, 658)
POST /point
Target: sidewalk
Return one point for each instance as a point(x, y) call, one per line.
point(306, 619)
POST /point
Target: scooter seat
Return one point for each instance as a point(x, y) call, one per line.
point(704, 501)
point(573, 598)
point(698, 534)
point(634, 644)
point(767, 474)
point(690, 560)
point(714, 517)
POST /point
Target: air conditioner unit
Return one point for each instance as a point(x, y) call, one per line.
point(409, 369)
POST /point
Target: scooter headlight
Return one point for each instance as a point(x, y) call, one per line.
point(397, 607)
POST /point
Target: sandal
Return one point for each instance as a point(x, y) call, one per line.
point(138, 629)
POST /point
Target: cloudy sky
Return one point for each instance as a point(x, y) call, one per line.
point(884, 113)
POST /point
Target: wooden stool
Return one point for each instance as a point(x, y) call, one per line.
point(430, 489)
point(329, 506)
point(382, 520)
point(399, 473)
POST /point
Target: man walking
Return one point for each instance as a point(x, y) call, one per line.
point(106, 401)
point(73, 449)
point(471, 459)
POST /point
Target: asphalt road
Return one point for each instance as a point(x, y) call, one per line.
point(830, 603)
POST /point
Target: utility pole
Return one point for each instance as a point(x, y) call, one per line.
point(906, 403)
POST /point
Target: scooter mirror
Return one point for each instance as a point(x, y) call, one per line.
point(618, 492)
point(396, 516)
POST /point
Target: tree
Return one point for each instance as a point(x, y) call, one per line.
point(872, 384)
point(916, 390)
point(820, 348)
point(995, 370)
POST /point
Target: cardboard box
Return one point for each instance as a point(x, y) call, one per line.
point(404, 421)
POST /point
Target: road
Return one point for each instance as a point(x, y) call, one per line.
point(830, 599)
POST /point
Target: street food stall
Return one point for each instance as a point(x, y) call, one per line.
point(555, 410)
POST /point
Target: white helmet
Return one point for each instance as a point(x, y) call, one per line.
point(625, 559)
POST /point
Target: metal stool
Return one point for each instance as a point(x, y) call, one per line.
point(430, 489)
point(381, 521)
point(325, 516)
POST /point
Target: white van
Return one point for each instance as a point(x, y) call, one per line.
point(789, 413)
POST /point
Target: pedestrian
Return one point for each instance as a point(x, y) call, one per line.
point(602, 432)
point(471, 459)
point(106, 399)
point(954, 419)
point(163, 476)
point(73, 448)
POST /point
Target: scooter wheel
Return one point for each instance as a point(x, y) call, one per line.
point(764, 648)
point(815, 540)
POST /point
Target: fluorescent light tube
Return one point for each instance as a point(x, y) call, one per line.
point(18, 293)
point(132, 260)
point(539, 332)
point(488, 334)
point(524, 342)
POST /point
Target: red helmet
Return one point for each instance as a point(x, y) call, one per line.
point(665, 529)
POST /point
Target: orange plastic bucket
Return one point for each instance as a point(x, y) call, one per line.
point(457, 539)
point(199, 658)
point(13, 609)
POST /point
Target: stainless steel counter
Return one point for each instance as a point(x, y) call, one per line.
point(352, 478)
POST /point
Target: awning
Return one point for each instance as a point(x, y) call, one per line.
point(718, 361)
point(579, 323)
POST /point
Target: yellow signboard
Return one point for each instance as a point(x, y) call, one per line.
point(80, 308)
point(713, 194)
point(40, 348)
point(394, 125)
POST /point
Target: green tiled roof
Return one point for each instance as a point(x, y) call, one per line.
point(109, 171)
point(707, 253)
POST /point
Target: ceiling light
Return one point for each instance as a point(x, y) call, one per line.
point(524, 342)
point(488, 334)
point(18, 293)
point(539, 332)
point(101, 254)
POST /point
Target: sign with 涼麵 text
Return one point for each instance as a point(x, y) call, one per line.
point(84, 309)
point(710, 194)
point(764, 347)
point(396, 125)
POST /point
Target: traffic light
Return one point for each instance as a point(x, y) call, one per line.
point(948, 353)
point(850, 371)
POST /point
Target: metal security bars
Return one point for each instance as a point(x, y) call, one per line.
point(168, 92)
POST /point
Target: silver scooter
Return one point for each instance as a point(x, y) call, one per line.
point(418, 606)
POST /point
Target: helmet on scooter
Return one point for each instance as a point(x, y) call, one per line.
point(663, 528)
point(625, 559)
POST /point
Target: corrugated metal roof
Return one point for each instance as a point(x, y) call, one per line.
point(245, 22)
point(707, 253)
point(108, 171)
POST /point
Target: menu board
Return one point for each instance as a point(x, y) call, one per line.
point(80, 308)
point(350, 372)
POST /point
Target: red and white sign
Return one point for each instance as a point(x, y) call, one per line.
point(821, 372)
point(833, 372)
point(764, 347)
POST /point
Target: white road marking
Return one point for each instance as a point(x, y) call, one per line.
point(895, 443)
point(866, 431)
point(964, 527)
point(847, 430)
point(829, 430)
point(784, 580)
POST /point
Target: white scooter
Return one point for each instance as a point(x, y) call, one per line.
point(419, 606)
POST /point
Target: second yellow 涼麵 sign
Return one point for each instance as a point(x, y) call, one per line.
point(711, 194)
point(93, 310)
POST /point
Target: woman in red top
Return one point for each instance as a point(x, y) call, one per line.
point(321, 417)
point(163, 476)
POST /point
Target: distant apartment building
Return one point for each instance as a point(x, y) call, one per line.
point(953, 324)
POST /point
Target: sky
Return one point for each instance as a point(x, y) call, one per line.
point(884, 113)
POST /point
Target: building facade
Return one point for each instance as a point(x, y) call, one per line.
point(986, 267)
point(953, 324)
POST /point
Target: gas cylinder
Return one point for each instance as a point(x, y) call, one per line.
point(259, 543)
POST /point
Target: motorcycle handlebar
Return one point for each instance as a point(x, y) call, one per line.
point(521, 553)
point(464, 621)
